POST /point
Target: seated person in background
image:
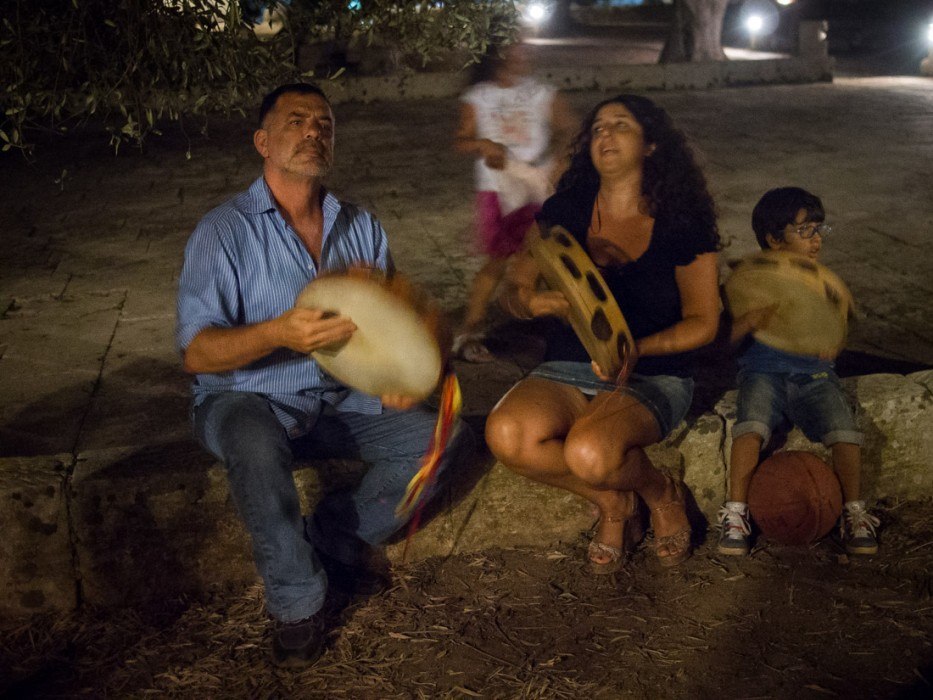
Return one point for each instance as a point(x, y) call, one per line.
point(774, 385)
point(638, 204)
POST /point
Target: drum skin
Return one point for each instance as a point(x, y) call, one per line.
point(814, 305)
point(794, 497)
point(594, 313)
point(396, 349)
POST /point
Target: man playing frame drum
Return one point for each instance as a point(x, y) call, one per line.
point(260, 402)
point(797, 312)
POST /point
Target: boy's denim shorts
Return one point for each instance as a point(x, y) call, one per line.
point(813, 402)
point(667, 397)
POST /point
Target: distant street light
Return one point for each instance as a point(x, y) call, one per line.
point(537, 12)
point(754, 24)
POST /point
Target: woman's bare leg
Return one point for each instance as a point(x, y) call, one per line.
point(605, 450)
point(526, 432)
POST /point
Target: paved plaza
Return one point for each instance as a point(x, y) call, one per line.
point(93, 243)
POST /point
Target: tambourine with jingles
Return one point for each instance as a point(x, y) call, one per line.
point(813, 304)
point(594, 314)
point(400, 343)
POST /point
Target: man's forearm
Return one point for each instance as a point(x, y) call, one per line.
point(224, 349)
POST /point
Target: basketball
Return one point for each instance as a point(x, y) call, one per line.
point(794, 498)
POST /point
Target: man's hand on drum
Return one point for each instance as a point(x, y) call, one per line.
point(305, 330)
point(751, 321)
point(398, 402)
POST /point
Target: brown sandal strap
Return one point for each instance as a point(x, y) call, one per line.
point(664, 507)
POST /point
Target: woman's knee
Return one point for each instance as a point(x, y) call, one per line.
point(505, 435)
point(592, 460)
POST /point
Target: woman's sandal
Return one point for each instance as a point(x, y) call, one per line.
point(632, 534)
point(676, 545)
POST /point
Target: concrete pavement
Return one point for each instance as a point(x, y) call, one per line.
point(93, 243)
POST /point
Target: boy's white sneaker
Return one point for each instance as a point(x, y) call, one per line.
point(857, 529)
point(734, 528)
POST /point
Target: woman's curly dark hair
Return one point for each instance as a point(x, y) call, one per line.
point(672, 183)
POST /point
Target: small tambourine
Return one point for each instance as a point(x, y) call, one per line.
point(397, 346)
point(594, 313)
point(813, 304)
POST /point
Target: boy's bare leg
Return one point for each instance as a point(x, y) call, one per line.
point(744, 458)
point(857, 525)
point(847, 462)
point(734, 518)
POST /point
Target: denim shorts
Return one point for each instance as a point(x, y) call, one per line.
point(814, 403)
point(667, 397)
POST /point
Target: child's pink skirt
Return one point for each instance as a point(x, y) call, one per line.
point(501, 236)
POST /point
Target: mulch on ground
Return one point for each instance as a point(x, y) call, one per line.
point(534, 623)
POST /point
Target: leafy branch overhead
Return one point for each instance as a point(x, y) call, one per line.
point(133, 66)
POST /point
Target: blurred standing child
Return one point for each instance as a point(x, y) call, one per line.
point(514, 126)
point(775, 384)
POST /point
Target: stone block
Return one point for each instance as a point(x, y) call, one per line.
point(700, 445)
point(896, 414)
point(479, 507)
point(502, 510)
point(924, 379)
point(37, 572)
point(153, 522)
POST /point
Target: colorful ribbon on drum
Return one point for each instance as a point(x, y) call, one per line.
point(412, 502)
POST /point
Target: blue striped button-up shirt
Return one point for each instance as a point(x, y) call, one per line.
point(244, 264)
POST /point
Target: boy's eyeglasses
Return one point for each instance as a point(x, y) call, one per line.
point(807, 231)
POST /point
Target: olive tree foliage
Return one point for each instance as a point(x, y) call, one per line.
point(696, 32)
point(134, 66)
point(414, 32)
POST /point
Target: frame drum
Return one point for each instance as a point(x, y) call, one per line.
point(395, 349)
point(814, 305)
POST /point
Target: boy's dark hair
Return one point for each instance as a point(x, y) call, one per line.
point(268, 102)
point(778, 207)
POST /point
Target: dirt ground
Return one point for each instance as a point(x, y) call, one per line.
point(533, 623)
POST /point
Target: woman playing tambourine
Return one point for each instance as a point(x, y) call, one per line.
point(638, 204)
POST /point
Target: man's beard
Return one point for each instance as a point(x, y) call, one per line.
point(319, 166)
